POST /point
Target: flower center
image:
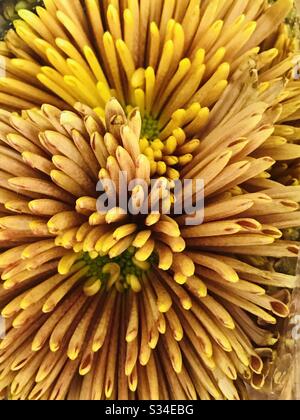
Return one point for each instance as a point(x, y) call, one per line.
point(124, 272)
point(150, 128)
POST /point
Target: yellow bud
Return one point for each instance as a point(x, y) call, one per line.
point(144, 144)
point(78, 247)
point(92, 287)
point(161, 168)
point(171, 160)
point(149, 153)
point(67, 262)
point(114, 271)
point(153, 167)
point(170, 145)
point(180, 278)
point(143, 265)
point(134, 282)
point(180, 136)
point(173, 174)
point(158, 154)
point(157, 145)
point(185, 160)
point(93, 255)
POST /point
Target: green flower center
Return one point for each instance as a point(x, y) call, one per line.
point(124, 272)
point(150, 128)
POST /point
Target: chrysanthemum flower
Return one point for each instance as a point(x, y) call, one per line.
point(101, 306)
